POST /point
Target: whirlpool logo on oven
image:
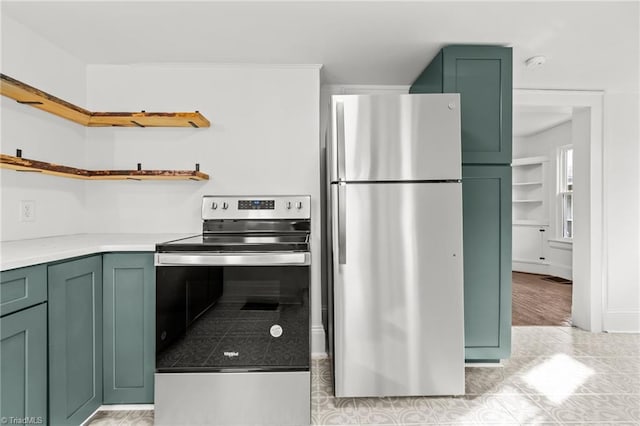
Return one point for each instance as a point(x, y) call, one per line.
point(230, 354)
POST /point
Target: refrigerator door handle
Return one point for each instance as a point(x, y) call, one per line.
point(342, 217)
point(340, 140)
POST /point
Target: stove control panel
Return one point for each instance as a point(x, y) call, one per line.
point(256, 207)
point(256, 204)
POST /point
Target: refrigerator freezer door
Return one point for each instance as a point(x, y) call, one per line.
point(395, 137)
point(398, 295)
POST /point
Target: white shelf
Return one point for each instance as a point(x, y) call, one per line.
point(528, 161)
point(526, 183)
point(531, 261)
point(529, 195)
point(525, 222)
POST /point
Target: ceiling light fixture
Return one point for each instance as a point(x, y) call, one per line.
point(535, 61)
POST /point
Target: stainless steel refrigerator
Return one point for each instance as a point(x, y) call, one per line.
point(397, 326)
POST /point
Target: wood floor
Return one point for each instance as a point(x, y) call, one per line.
point(540, 302)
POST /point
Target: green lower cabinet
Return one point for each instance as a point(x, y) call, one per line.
point(75, 340)
point(23, 366)
point(486, 205)
point(129, 324)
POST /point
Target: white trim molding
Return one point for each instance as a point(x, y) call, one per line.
point(530, 266)
point(562, 271)
point(126, 407)
point(364, 89)
point(622, 321)
point(317, 340)
point(560, 244)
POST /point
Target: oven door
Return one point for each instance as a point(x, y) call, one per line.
point(236, 312)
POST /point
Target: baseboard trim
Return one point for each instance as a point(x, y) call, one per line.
point(125, 407)
point(320, 355)
point(530, 267)
point(534, 267)
point(561, 271)
point(498, 364)
point(621, 321)
point(318, 339)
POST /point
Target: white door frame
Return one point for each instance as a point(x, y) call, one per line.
point(589, 268)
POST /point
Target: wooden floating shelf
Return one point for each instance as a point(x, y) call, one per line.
point(28, 95)
point(26, 165)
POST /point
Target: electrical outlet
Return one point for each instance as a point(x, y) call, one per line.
point(27, 211)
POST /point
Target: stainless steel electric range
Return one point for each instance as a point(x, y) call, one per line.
point(232, 316)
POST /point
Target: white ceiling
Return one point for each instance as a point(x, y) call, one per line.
point(589, 45)
point(529, 120)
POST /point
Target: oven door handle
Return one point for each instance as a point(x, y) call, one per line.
point(232, 259)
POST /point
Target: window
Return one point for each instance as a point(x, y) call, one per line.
point(565, 191)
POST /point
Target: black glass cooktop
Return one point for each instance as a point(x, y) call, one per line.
point(238, 242)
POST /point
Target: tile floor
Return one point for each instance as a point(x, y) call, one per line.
point(556, 375)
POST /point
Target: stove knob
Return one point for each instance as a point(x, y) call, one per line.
point(299, 205)
point(276, 330)
point(214, 206)
point(288, 205)
point(225, 206)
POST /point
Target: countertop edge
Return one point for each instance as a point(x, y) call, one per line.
point(25, 253)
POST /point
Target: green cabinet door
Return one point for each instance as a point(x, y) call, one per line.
point(23, 366)
point(75, 340)
point(483, 77)
point(129, 327)
point(486, 206)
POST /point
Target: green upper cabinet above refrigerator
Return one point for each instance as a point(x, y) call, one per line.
point(483, 77)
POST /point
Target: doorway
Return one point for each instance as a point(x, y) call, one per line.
point(545, 207)
point(542, 215)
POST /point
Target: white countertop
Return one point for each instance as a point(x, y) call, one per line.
point(20, 253)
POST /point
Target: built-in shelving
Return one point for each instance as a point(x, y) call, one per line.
point(528, 197)
point(27, 165)
point(523, 222)
point(526, 183)
point(528, 161)
point(28, 95)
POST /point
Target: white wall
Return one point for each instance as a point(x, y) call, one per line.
point(621, 212)
point(519, 147)
point(263, 139)
point(59, 202)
